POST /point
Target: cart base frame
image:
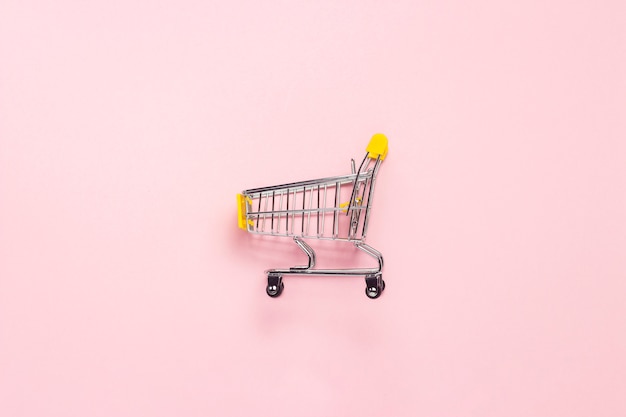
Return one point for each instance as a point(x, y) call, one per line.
point(374, 284)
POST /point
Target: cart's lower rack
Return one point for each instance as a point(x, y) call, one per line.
point(374, 283)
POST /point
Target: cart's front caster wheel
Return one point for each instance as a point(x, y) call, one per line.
point(275, 285)
point(274, 291)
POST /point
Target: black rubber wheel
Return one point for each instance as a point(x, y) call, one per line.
point(275, 292)
point(373, 292)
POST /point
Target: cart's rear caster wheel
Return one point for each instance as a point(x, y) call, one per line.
point(372, 292)
point(374, 287)
point(274, 291)
point(375, 291)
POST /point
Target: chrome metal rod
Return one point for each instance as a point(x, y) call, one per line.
point(372, 252)
point(318, 206)
point(369, 198)
point(324, 217)
point(303, 207)
point(301, 184)
point(308, 251)
point(336, 214)
point(356, 183)
point(353, 271)
point(273, 199)
point(287, 216)
point(308, 222)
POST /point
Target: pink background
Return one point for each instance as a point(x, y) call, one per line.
point(127, 128)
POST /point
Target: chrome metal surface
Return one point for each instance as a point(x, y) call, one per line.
point(293, 205)
point(308, 206)
point(308, 270)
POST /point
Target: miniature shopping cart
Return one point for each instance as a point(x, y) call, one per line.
point(334, 208)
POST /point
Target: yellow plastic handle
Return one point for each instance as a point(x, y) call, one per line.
point(241, 211)
point(378, 146)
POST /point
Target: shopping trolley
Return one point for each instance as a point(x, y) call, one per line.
point(333, 208)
